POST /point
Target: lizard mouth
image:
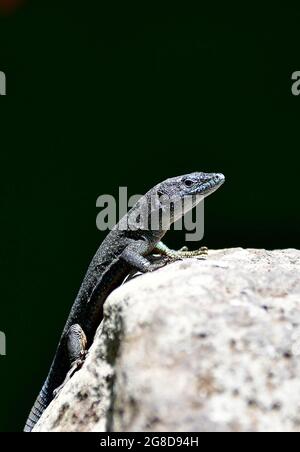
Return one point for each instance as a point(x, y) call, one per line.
point(210, 185)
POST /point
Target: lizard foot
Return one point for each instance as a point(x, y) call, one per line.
point(183, 253)
point(74, 368)
point(76, 344)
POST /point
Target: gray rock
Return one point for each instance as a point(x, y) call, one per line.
point(197, 346)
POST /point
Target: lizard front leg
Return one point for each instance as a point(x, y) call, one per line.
point(76, 344)
point(162, 249)
point(134, 255)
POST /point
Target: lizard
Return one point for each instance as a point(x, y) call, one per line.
point(127, 247)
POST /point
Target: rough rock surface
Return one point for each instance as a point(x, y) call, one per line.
point(197, 346)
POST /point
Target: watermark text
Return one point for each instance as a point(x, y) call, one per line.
point(296, 84)
point(154, 213)
point(2, 344)
point(2, 84)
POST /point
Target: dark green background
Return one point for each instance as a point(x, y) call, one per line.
point(102, 96)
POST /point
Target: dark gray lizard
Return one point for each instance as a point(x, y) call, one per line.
point(126, 248)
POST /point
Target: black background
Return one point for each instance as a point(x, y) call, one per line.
point(121, 94)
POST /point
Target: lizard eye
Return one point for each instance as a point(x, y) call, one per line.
point(188, 182)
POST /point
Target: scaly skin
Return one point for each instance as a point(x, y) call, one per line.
point(125, 249)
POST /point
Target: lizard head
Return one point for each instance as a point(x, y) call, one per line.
point(185, 192)
point(170, 200)
point(194, 184)
point(202, 184)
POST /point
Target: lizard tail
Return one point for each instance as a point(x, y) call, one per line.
point(38, 408)
point(55, 378)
